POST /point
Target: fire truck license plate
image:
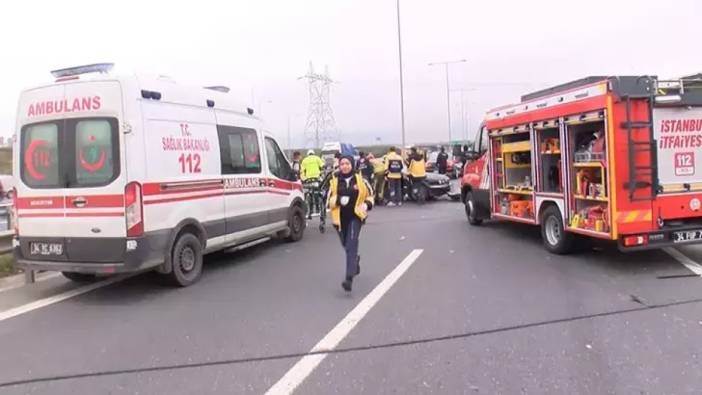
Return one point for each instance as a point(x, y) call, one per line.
point(46, 249)
point(690, 235)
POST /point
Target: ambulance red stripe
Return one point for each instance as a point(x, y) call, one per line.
point(182, 198)
point(40, 215)
point(40, 202)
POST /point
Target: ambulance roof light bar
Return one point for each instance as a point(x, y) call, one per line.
point(218, 88)
point(102, 68)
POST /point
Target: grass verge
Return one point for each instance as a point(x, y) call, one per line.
point(7, 265)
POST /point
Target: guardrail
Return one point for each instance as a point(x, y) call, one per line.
point(6, 233)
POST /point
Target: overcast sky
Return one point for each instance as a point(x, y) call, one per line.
point(259, 48)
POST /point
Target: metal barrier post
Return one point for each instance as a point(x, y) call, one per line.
point(29, 277)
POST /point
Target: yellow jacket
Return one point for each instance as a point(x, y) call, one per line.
point(378, 167)
point(417, 167)
point(365, 195)
point(311, 167)
point(393, 165)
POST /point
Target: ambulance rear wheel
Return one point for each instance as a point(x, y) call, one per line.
point(80, 277)
point(186, 258)
point(556, 240)
point(296, 224)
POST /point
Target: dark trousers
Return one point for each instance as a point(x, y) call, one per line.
point(349, 232)
point(395, 187)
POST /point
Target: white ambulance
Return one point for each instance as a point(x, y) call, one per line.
point(121, 174)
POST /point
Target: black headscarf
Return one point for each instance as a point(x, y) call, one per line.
point(353, 164)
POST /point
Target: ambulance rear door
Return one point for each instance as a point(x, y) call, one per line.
point(70, 169)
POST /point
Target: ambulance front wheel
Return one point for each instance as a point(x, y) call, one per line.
point(186, 259)
point(556, 240)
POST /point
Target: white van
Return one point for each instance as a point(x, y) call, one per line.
point(121, 174)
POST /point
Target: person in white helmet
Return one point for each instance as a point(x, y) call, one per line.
point(311, 167)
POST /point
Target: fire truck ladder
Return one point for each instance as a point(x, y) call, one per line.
point(641, 175)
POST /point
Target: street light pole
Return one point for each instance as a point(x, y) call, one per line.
point(448, 89)
point(260, 106)
point(289, 147)
point(448, 101)
point(402, 90)
point(464, 116)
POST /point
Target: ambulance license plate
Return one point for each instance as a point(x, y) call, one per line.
point(46, 249)
point(688, 235)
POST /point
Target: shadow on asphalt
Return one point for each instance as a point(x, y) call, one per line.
point(598, 254)
point(147, 286)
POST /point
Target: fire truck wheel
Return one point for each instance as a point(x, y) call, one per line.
point(79, 277)
point(296, 224)
point(555, 238)
point(471, 213)
point(187, 260)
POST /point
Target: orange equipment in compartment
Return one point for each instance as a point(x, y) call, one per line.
point(522, 208)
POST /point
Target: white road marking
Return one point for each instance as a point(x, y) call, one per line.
point(37, 304)
point(305, 366)
point(18, 282)
point(685, 260)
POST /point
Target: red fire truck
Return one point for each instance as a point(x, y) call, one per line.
point(615, 158)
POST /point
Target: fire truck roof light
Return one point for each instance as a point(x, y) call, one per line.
point(102, 68)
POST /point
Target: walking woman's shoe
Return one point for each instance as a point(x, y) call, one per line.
point(346, 285)
point(358, 265)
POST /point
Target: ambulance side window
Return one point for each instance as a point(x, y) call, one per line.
point(277, 163)
point(239, 150)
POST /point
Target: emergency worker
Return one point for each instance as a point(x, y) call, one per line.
point(393, 169)
point(311, 167)
point(350, 199)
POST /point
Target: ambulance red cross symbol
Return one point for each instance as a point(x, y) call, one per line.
point(36, 155)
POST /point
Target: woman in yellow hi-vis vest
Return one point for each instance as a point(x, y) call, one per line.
point(350, 199)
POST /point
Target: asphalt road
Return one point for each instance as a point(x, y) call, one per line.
point(481, 310)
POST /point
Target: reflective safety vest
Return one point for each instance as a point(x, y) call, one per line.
point(365, 195)
point(393, 165)
point(311, 167)
point(417, 167)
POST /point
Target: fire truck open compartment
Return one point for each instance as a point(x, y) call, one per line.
point(550, 157)
point(513, 175)
point(528, 162)
point(589, 173)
